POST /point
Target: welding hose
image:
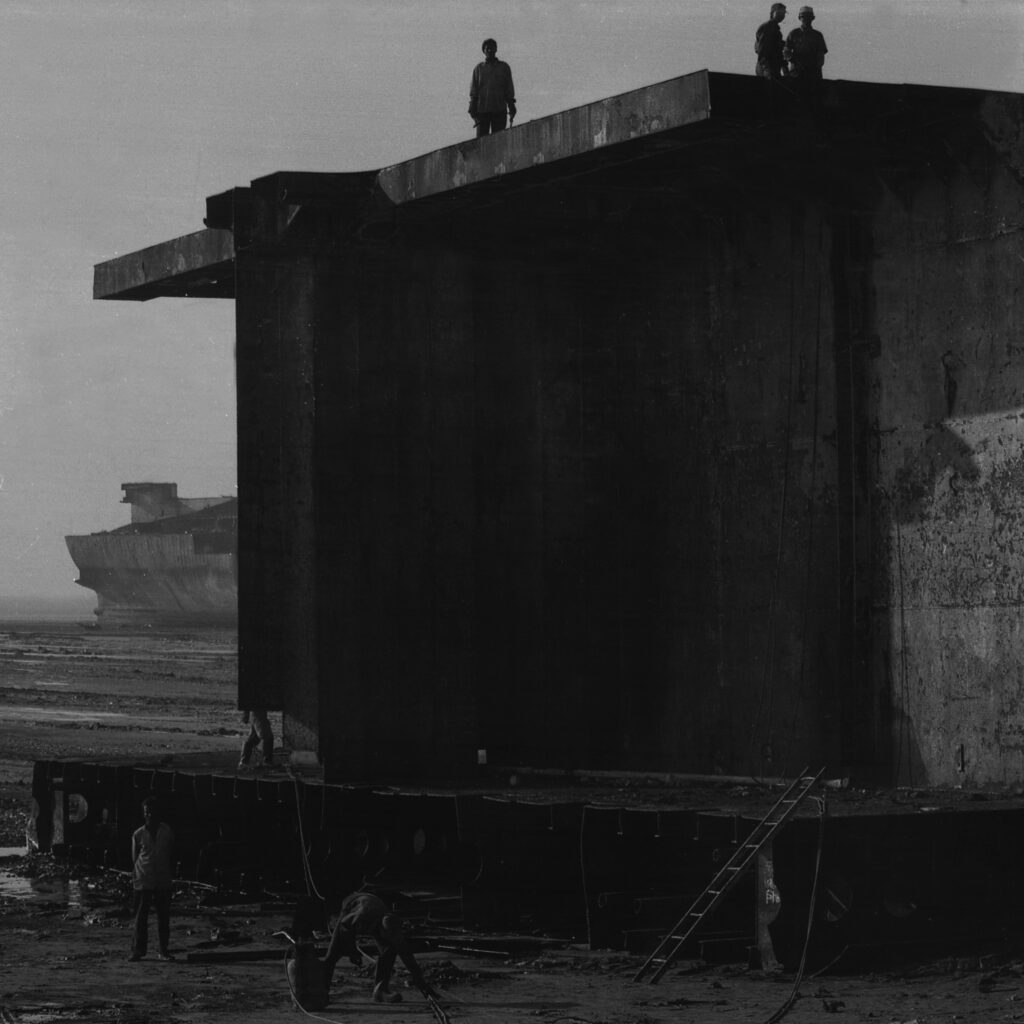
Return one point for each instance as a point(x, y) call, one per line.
point(435, 1007)
point(298, 1005)
point(307, 870)
point(311, 887)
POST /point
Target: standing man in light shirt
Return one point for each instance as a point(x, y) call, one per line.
point(152, 852)
point(492, 96)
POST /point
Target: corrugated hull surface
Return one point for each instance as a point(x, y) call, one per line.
point(158, 580)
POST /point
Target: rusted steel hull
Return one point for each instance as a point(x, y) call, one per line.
point(615, 877)
point(178, 571)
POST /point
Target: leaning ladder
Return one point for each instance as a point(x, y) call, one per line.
point(730, 872)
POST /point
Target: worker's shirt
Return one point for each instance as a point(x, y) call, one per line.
point(363, 914)
point(151, 857)
point(491, 89)
point(768, 46)
point(805, 50)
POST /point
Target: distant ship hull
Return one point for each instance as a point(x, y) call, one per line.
point(165, 572)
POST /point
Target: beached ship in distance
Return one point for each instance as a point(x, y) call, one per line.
point(173, 566)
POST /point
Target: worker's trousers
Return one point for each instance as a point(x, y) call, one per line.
point(144, 899)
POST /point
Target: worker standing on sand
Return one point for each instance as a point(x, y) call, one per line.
point(152, 850)
point(363, 914)
point(259, 733)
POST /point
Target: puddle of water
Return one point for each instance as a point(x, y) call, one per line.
point(35, 890)
point(73, 893)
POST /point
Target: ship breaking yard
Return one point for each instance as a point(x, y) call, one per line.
point(159, 712)
point(633, 586)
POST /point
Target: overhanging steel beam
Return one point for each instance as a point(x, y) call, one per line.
point(200, 265)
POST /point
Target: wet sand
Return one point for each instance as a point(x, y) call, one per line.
point(67, 692)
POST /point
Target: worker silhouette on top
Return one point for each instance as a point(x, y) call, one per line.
point(363, 914)
point(768, 45)
point(805, 50)
point(492, 96)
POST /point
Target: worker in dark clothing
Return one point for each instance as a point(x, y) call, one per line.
point(768, 45)
point(492, 96)
point(259, 733)
point(805, 49)
point(363, 914)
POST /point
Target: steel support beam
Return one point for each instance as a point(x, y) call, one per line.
point(200, 265)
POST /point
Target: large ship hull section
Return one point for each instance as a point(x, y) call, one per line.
point(157, 581)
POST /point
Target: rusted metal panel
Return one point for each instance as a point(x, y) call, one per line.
point(595, 126)
point(949, 575)
point(200, 265)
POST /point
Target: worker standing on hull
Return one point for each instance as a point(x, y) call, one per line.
point(260, 734)
point(492, 96)
point(804, 50)
point(768, 45)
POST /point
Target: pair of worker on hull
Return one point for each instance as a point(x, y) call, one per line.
point(801, 56)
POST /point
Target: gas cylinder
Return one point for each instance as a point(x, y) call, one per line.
point(307, 977)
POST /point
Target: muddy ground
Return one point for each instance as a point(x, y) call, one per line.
point(67, 692)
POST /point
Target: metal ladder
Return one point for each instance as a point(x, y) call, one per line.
point(730, 872)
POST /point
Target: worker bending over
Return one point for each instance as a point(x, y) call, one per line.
point(366, 915)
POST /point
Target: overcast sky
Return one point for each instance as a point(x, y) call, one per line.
point(121, 116)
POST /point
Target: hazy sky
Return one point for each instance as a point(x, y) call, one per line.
point(121, 116)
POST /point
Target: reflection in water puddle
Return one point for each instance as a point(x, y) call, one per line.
point(72, 893)
point(40, 890)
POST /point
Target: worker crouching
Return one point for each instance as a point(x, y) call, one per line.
point(364, 915)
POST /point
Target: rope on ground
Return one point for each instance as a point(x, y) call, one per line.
point(788, 1004)
point(438, 1011)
